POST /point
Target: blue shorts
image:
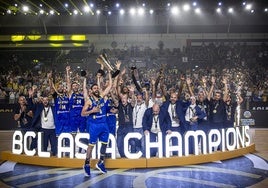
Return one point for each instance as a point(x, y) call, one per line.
point(98, 131)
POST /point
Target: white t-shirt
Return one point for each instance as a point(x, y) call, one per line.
point(47, 120)
point(138, 112)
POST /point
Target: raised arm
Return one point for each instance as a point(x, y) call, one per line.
point(226, 92)
point(213, 81)
point(189, 86)
point(109, 87)
point(68, 80)
point(85, 91)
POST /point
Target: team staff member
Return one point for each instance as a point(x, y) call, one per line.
point(95, 109)
point(175, 110)
point(192, 115)
point(44, 120)
point(23, 115)
point(154, 121)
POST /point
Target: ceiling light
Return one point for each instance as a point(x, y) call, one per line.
point(132, 11)
point(248, 6)
point(122, 11)
point(186, 7)
point(86, 9)
point(175, 10)
point(140, 11)
point(197, 10)
point(41, 11)
point(25, 8)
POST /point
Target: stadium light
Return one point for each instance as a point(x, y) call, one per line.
point(197, 10)
point(248, 7)
point(86, 9)
point(175, 10)
point(51, 12)
point(141, 11)
point(25, 8)
point(132, 11)
point(75, 12)
point(122, 11)
point(41, 11)
point(186, 7)
point(230, 10)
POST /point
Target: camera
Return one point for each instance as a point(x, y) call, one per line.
point(83, 73)
point(133, 67)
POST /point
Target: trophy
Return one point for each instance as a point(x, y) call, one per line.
point(103, 60)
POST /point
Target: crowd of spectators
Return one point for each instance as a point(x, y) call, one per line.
point(244, 64)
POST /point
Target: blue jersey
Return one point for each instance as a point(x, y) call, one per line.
point(99, 117)
point(76, 103)
point(62, 114)
point(111, 117)
point(62, 104)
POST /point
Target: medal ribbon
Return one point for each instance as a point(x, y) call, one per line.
point(155, 120)
point(46, 112)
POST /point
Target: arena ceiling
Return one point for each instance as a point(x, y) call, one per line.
point(61, 7)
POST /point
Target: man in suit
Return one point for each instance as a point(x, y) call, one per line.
point(156, 120)
point(44, 120)
point(174, 108)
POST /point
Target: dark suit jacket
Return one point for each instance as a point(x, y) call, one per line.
point(164, 120)
point(37, 110)
point(179, 111)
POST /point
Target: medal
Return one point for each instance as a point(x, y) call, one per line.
point(24, 120)
point(214, 111)
point(45, 114)
point(127, 118)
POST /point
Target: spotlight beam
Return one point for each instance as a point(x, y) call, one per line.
point(34, 5)
point(75, 6)
point(50, 7)
point(22, 4)
point(89, 7)
point(64, 6)
point(4, 3)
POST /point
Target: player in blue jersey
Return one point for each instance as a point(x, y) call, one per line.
point(61, 102)
point(61, 106)
point(95, 109)
point(76, 102)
